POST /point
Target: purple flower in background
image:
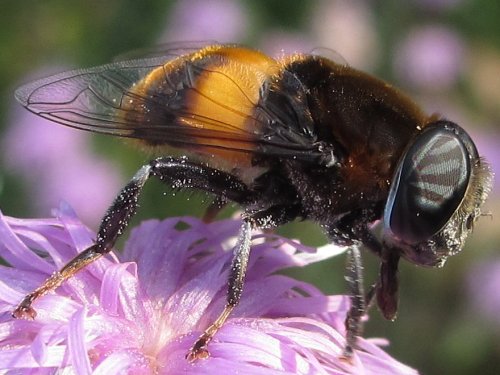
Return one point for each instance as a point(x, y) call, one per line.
point(205, 20)
point(56, 163)
point(483, 284)
point(430, 58)
point(348, 27)
point(140, 315)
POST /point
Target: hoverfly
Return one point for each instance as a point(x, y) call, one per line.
point(295, 137)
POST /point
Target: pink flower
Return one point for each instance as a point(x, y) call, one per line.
point(141, 314)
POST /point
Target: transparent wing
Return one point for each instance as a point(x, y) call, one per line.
point(97, 99)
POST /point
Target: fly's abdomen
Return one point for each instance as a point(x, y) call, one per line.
point(207, 101)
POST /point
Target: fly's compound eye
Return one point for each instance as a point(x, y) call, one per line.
point(430, 183)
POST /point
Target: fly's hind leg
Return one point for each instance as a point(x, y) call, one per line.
point(176, 171)
point(114, 222)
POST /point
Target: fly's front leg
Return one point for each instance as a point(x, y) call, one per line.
point(112, 225)
point(387, 291)
point(384, 291)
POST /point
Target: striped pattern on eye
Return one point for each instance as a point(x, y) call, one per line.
point(430, 185)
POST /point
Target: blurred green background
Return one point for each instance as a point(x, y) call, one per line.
point(446, 53)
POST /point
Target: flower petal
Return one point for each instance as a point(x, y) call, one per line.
point(141, 316)
point(16, 253)
point(76, 343)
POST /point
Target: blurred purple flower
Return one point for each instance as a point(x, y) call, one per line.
point(218, 20)
point(430, 58)
point(56, 163)
point(348, 27)
point(140, 315)
point(483, 284)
